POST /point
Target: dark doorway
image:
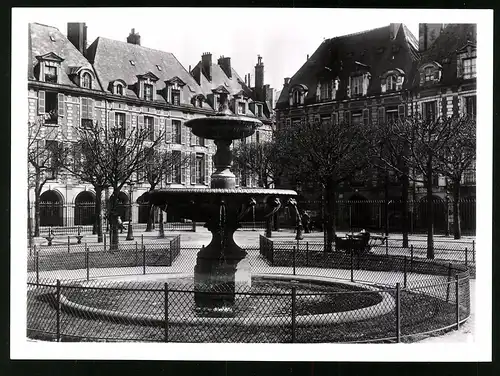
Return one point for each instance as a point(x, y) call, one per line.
point(123, 207)
point(439, 209)
point(84, 208)
point(51, 209)
point(359, 213)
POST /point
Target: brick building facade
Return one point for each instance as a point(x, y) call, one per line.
point(123, 84)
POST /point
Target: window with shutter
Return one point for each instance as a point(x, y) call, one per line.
point(149, 127)
point(60, 104)
point(381, 115)
point(193, 168)
point(111, 119)
point(184, 167)
point(41, 102)
point(156, 129)
point(128, 125)
point(366, 116)
point(206, 163)
point(168, 131)
point(401, 112)
point(183, 134)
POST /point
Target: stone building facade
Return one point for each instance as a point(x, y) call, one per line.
point(384, 74)
point(124, 84)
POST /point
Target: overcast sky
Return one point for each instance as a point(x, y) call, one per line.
point(283, 37)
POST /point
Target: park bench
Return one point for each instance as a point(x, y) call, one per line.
point(358, 243)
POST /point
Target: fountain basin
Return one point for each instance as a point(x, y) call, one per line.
point(224, 127)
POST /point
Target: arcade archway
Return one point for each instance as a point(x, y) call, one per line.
point(84, 208)
point(51, 209)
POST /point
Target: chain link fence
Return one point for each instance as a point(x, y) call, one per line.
point(334, 296)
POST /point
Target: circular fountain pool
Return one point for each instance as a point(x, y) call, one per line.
point(268, 302)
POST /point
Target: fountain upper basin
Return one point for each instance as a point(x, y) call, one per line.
point(223, 127)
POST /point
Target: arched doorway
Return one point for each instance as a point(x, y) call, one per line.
point(51, 209)
point(468, 214)
point(84, 208)
point(123, 208)
point(359, 211)
point(439, 209)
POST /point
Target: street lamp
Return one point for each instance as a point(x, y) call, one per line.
point(130, 234)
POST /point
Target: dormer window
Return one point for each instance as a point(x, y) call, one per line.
point(86, 80)
point(259, 110)
point(119, 89)
point(466, 61)
point(173, 90)
point(176, 97)
point(392, 80)
point(430, 73)
point(146, 86)
point(357, 85)
point(148, 92)
point(296, 97)
point(298, 93)
point(469, 68)
point(242, 108)
point(51, 75)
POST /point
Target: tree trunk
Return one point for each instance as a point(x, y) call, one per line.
point(149, 225)
point(30, 229)
point(456, 210)
point(276, 223)
point(404, 197)
point(430, 212)
point(38, 188)
point(113, 219)
point(330, 216)
point(386, 203)
point(98, 213)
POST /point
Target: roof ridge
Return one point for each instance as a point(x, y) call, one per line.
point(137, 45)
point(41, 24)
point(357, 33)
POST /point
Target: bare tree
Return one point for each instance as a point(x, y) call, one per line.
point(425, 139)
point(266, 160)
point(45, 154)
point(119, 154)
point(456, 158)
point(80, 162)
point(159, 164)
point(393, 155)
point(328, 154)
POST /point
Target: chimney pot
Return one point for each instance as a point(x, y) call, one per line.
point(287, 80)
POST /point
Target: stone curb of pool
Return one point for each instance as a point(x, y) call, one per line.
point(385, 306)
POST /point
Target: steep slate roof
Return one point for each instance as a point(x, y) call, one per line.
point(41, 44)
point(111, 60)
point(336, 57)
point(451, 39)
point(234, 84)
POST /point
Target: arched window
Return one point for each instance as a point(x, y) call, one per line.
point(86, 80)
point(296, 97)
point(119, 89)
point(391, 82)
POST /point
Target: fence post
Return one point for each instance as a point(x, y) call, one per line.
point(387, 248)
point(405, 273)
point(411, 258)
point(466, 256)
point(473, 250)
point(194, 226)
point(449, 282)
point(142, 241)
point(166, 312)
point(352, 266)
point(87, 261)
point(136, 254)
point(170, 249)
point(58, 311)
point(307, 253)
point(104, 237)
point(294, 254)
point(457, 305)
point(398, 312)
point(294, 314)
point(68, 243)
point(143, 259)
point(37, 269)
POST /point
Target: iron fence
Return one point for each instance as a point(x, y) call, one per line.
point(379, 216)
point(386, 297)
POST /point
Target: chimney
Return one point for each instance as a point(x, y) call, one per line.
point(307, 59)
point(206, 65)
point(259, 78)
point(77, 34)
point(427, 34)
point(134, 38)
point(287, 81)
point(246, 80)
point(225, 64)
point(393, 30)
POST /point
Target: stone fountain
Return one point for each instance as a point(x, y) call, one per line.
point(221, 267)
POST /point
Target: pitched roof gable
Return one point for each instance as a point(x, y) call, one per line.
point(340, 56)
point(111, 60)
point(444, 50)
point(49, 43)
